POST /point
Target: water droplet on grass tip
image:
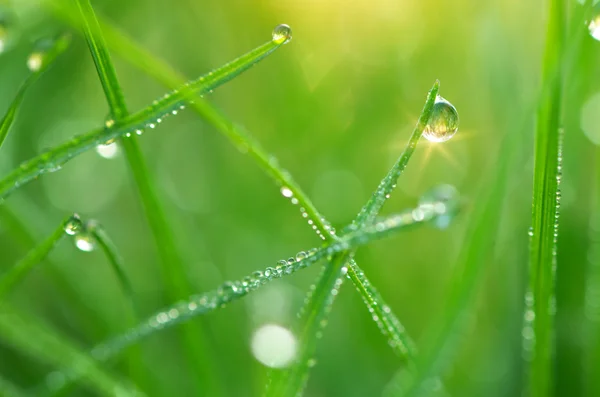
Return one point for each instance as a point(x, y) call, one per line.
point(36, 59)
point(85, 242)
point(443, 122)
point(73, 225)
point(282, 34)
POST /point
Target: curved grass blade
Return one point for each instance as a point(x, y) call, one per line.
point(39, 341)
point(291, 382)
point(91, 325)
point(14, 275)
point(116, 261)
point(47, 58)
point(231, 291)
point(172, 266)
point(542, 263)
point(53, 159)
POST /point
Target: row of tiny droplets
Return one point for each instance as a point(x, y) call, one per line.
point(288, 193)
point(528, 332)
point(203, 303)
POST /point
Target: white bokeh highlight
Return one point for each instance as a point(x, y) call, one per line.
point(274, 346)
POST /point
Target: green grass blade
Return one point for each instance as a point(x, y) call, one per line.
point(59, 46)
point(14, 275)
point(116, 262)
point(172, 265)
point(39, 341)
point(53, 159)
point(91, 325)
point(542, 265)
point(372, 208)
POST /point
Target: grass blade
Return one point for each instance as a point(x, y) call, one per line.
point(542, 265)
point(152, 115)
point(172, 265)
point(39, 341)
point(46, 59)
point(14, 275)
point(91, 325)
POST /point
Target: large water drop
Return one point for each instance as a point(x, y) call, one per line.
point(282, 34)
point(443, 122)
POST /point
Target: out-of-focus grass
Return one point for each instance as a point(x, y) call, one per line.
point(336, 107)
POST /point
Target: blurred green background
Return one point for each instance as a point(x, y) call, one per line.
point(335, 105)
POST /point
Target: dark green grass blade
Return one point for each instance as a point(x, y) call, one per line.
point(15, 274)
point(172, 264)
point(39, 341)
point(545, 209)
point(60, 45)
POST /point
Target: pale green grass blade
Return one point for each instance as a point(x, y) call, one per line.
point(39, 341)
point(46, 59)
point(53, 159)
point(547, 176)
point(15, 274)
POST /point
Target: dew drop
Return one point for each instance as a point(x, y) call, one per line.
point(108, 151)
point(109, 123)
point(300, 256)
point(73, 225)
point(35, 61)
point(286, 192)
point(85, 242)
point(282, 34)
point(151, 125)
point(443, 122)
point(139, 132)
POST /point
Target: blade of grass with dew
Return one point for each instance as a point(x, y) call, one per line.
point(91, 325)
point(53, 159)
point(231, 291)
point(60, 46)
point(31, 337)
point(291, 382)
point(15, 274)
point(172, 264)
point(547, 154)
